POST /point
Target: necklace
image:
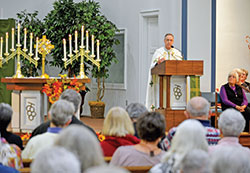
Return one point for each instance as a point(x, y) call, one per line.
point(149, 148)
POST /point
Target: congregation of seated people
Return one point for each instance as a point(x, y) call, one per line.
point(64, 144)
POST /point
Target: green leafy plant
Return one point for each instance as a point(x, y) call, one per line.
point(64, 19)
point(36, 26)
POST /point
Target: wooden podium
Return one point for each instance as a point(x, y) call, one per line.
point(166, 70)
point(28, 102)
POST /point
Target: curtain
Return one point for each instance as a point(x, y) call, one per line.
point(194, 86)
point(7, 69)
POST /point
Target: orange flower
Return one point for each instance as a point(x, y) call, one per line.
point(54, 87)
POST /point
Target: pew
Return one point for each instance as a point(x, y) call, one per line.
point(138, 169)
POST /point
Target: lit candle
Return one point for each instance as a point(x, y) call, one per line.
point(1, 50)
point(12, 38)
point(75, 41)
point(92, 45)
point(6, 45)
point(64, 48)
point(97, 49)
point(25, 33)
point(37, 47)
point(70, 44)
point(87, 40)
point(18, 33)
point(31, 39)
point(82, 35)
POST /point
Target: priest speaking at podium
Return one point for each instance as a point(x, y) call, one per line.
point(168, 52)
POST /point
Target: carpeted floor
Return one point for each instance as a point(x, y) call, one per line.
point(94, 123)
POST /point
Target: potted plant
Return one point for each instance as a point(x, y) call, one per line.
point(64, 19)
point(34, 25)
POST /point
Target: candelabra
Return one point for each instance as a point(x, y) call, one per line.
point(18, 51)
point(82, 52)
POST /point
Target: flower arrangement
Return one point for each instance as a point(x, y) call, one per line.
point(100, 136)
point(25, 137)
point(54, 87)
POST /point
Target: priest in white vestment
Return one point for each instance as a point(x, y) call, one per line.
point(168, 52)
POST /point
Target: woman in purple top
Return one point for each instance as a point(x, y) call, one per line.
point(233, 96)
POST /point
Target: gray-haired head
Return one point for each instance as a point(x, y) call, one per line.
point(5, 115)
point(196, 161)
point(57, 160)
point(198, 106)
point(230, 159)
point(106, 169)
point(189, 135)
point(61, 112)
point(73, 97)
point(82, 142)
point(231, 122)
point(135, 110)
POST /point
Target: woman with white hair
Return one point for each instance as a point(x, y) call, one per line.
point(190, 134)
point(230, 159)
point(5, 119)
point(233, 96)
point(55, 159)
point(231, 123)
point(196, 161)
point(118, 131)
point(83, 143)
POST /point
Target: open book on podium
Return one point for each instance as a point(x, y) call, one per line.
point(173, 92)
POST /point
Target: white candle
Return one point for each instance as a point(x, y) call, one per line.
point(36, 46)
point(12, 38)
point(97, 49)
point(92, 45)
point(31, 39)
point(82, 35)
point(64, 48)
point(25, 33)
point(70, 44)
point(75, 41)
point(6, 45)
point(1, 50)
point(18, 33)
point(87, 40)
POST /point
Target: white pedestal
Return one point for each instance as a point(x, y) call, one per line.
point(31, 111)
point(178, 92)
point(15, 102)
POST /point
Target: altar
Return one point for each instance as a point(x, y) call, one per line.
point(28, 102)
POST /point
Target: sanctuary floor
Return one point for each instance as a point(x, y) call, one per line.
point(95, 123)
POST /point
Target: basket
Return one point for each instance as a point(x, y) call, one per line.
point(97, 109)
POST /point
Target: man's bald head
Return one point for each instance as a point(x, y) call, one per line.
point(197, 107)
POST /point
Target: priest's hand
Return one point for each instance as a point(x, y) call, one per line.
point(160, 60)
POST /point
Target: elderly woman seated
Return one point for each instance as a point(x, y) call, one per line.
point(150, 127)
point(55, 159)
point(135, 110)
point(5, 119)
point(83, 143)
point(190, 135)
point(233, 96)
point(231, 123)
point(244, 84)
point(118, 131)
point(230, 159)
point(196, 161)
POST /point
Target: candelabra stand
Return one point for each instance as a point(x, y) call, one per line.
point(82, 53)
point(18, 52)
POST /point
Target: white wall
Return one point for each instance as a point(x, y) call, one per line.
point(231, 48)
point(125, 14)
point(199, 38)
